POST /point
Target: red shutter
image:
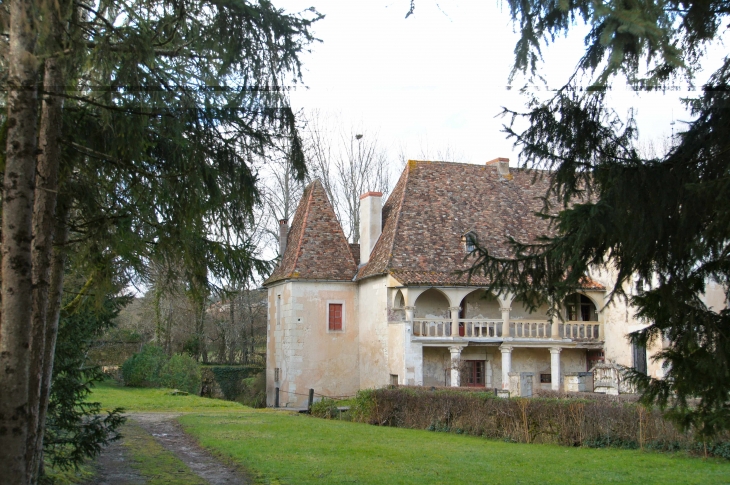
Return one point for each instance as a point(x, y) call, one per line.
point(335, 322)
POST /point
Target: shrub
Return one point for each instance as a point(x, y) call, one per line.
point(326, 408)
point(143, 368)
point(584, 421)
point(253, 392)
point(228, 378)
point(181, 372)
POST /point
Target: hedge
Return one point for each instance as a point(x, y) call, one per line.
point(229, 379)
point(598, 422)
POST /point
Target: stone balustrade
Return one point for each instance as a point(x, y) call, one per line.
point(532, 329)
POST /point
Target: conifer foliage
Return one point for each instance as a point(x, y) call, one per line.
point(129, 134)
point(663, 220)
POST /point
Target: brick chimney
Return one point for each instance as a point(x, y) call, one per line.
point(283, 235)
point(502, 165)
point(371, 223)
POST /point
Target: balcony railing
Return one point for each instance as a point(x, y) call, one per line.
point(470, 328)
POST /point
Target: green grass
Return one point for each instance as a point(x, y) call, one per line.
point(112, 395)
point(293, 449)
point(285, 448)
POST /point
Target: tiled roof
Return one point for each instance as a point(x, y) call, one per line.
point(434, 204)
point(316, 248)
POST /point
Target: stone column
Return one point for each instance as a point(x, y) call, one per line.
point(555, 368)
point(455, 364)
point(455, 320)
point(505, 321)
point(555, 322)
point(410, 311)
point(505, 302)
point(506, 365)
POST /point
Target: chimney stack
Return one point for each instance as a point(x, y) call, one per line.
point(371, 223)
point(283, 235)
point(502, 165)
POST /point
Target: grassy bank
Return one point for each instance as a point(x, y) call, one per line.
point(112, 394)
point(285, 448)
point(294, 449)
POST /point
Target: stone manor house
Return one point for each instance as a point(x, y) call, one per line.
point(393, 310)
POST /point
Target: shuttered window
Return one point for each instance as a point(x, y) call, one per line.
point(335, 316)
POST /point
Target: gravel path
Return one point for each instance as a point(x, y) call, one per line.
point(114, 468)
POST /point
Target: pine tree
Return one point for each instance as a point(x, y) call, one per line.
point(150, 112)
point(663, 219)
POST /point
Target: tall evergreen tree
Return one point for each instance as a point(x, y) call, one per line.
point(664, 219)
point(149, 113)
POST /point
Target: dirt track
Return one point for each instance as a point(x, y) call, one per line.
point(114, 465)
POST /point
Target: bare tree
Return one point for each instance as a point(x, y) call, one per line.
point(280, 194)
point(348, 163)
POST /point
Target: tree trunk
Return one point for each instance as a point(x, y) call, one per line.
point(43, 213)
point(55, 292)
point(17, 213)
point(200, 332)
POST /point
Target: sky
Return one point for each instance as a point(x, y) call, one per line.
point(438, 80)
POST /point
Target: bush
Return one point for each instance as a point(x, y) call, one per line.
point(181, 372)
point(226, 381)
point(589, 422)
point(253, 392)
point(143, 369)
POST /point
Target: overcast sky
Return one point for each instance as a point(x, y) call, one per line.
point(439, 78)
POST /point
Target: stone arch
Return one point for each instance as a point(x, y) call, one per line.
point(432, 303)
point(399, 300)
point(480, 304)
point(580, 307)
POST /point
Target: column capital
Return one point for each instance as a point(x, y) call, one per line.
point(505, 309)
point(409, 308)
point(454, 308)
point(454, 349)
point(556, 350)
point(506, 349)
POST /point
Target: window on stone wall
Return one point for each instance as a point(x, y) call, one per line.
point(276, 374)
point(334, 317)
point(278, 310)
point(473, 373)
point(639, 358)
point(546, 378)
point(394, 379)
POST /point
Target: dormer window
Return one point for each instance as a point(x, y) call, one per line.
point(469, 241)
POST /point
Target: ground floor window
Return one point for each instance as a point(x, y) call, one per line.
point(474, 373)
point(639, 352)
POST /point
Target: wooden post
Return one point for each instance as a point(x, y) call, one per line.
point(276, 398)
point(311, 400)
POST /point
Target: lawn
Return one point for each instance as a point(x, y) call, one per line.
point(113, 395)
point(285, 448)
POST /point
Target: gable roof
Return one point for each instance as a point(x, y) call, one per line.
point(316, 248)
point(434, 204)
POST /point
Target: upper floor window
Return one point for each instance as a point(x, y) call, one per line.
point(335, 317)
point(469, 240)
point(580, 308)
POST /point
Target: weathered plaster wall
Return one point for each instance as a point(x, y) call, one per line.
point(397, 337)
point(432, 304)
point(714, 296)
point(519, 310)
point(374, 332)
point(307, 354)
point(436, 366)
point(480, 304)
